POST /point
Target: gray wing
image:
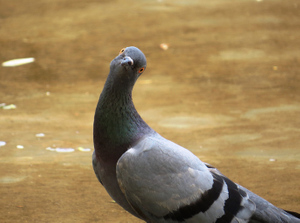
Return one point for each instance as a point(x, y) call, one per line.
point(265, 212)
point(164, 182)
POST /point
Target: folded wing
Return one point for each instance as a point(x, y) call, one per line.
point(164, 182)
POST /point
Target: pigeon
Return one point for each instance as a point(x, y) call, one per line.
point(155, 179)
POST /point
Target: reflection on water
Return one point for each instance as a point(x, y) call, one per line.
point(227, 88)
point(10, 179)
point(252, 114)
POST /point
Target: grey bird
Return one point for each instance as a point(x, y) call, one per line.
point(155, 179)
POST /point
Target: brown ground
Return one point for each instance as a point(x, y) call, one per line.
point(228, 89)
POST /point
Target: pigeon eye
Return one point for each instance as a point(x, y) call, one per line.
point(122, 50)
point(141, 70)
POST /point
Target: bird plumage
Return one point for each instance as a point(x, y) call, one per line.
point(155, 179)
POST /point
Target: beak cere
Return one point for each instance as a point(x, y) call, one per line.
point(127, 61)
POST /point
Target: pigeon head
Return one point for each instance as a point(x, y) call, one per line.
point(128, 65)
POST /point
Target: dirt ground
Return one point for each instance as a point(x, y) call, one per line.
point(228, 89)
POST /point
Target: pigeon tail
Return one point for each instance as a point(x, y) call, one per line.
point(268, 213)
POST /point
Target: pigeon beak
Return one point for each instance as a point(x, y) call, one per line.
point(127, 61)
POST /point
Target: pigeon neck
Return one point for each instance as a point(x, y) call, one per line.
point(117, 124)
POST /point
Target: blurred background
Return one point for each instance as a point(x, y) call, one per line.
point(222, 80)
